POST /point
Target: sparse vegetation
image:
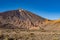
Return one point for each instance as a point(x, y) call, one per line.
point(6, 34)
point(23, 25)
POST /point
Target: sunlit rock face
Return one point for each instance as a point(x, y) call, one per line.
point(23, 19)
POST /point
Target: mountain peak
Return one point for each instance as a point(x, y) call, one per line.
point(22, 19)
point(26, 20)
point(20, 10)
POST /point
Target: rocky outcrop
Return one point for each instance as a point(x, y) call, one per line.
point(25, 20)
point(21, 19)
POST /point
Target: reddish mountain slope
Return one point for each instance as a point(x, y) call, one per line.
point(25, 20)
point(21, 19)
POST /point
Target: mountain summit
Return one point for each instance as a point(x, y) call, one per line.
point(25, 20)
point(21, 19)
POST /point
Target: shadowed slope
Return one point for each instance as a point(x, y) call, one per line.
point(21, 19)
point(25, 20)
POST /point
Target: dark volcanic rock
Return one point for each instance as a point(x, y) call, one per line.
point(21, 19)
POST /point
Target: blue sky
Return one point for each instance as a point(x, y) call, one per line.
point(49, 9)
